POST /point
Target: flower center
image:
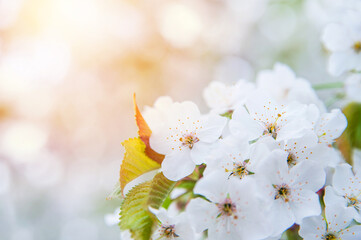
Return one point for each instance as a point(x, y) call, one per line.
point(226, 208)
point(271, 130)
point(189, 140)
point(282, 191)
point(357, 47)
point(353, 202)
point(291, 159)
point(168, 231)
point(330, 236)
point(240, 170)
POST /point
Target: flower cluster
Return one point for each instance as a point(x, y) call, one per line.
point(268, 161)
point(255, 166)
point(341, 37)
point(263, 164)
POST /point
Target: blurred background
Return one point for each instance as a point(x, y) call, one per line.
point(68, 69)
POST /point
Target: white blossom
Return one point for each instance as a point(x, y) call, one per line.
point(172, 227)
point(335, 225)
point(221, 98)
point(290, 193)
point(185, 138)
point(282, 84)
point(156, 116)
point(344, 42)
point(262, 116)
point(330, 126)
point(236, 158)
point(345, 191)
point(308, 148)
point(232, 211)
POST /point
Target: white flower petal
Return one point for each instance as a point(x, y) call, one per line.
point(313, 228)
point(200, 213)
point(277, 82)
point(337, 217)
point(308, 175)
point(275, 167)
point(325, 155)
point(330, 126)
point(177, 165)
point(162, 215)
point(155, 117)
point(351, 233)
point(258, 155)
point(184, 110)
point(342, 180)
point(283, 85)
point(340, 62)
point(336, 37)
point(245, 194)
point(213, 186)
point(282, 217)
point(223, 231)
point(242, 124)
point(183, 228)
point(353, 87)
point(199, 152)
point(222, 98)
point(161, 142)
point(305, 204)
point(302, 148)
point(331, 198)
point(212, 128)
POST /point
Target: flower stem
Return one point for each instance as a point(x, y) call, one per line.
point(334, 99)
point(330, 85)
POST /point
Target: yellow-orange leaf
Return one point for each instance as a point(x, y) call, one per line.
point(135, 162)
point(144, 133)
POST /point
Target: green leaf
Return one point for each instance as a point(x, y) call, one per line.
point(353, 114)
point(186, 184)
point(116, 193)
point(160, 189)
point(292, 233)
point(167, 202)
point(351, 138)
point(135, 214)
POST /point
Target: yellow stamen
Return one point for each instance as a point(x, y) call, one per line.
point(357, 46)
